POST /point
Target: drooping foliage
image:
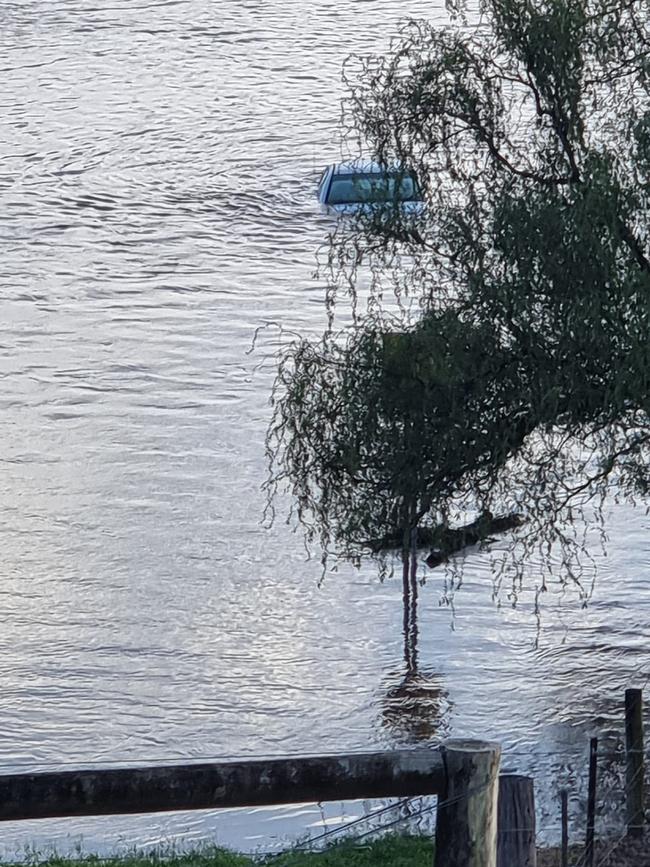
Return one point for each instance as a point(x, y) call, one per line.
point(524, 380)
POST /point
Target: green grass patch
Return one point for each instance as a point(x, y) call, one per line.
point(390, 851)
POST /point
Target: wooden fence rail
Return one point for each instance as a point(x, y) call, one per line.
point(217, 785)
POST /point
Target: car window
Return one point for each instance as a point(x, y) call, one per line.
point(372, 187)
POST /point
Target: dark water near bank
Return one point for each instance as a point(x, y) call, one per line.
point(156, 207)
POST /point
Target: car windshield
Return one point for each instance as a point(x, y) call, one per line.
point(372, 187)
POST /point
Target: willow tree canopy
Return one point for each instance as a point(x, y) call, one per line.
point(523, 382)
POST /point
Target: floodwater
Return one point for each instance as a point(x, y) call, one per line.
point(157, 206)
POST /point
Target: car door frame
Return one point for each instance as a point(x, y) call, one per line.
point(324, 184)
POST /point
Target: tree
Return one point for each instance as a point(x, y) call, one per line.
point(522, 384)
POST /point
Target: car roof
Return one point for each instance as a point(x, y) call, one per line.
point(355, 167)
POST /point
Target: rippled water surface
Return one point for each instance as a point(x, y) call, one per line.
point(157, 206)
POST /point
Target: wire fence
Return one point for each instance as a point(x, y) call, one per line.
point(384, 820)
point(405, 812)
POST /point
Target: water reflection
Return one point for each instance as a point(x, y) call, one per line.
point(415, 708)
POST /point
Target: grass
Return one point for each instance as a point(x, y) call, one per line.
point(391, 851)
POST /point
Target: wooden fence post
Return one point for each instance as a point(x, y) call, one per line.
point(634, 770)
point(516, 845)
point(564, 797)
point(466, 823)
point(591, 803)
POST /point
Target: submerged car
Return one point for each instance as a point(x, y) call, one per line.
point(350, 187)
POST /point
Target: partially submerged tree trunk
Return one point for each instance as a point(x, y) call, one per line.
point(480, 530)
point(446, 541)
